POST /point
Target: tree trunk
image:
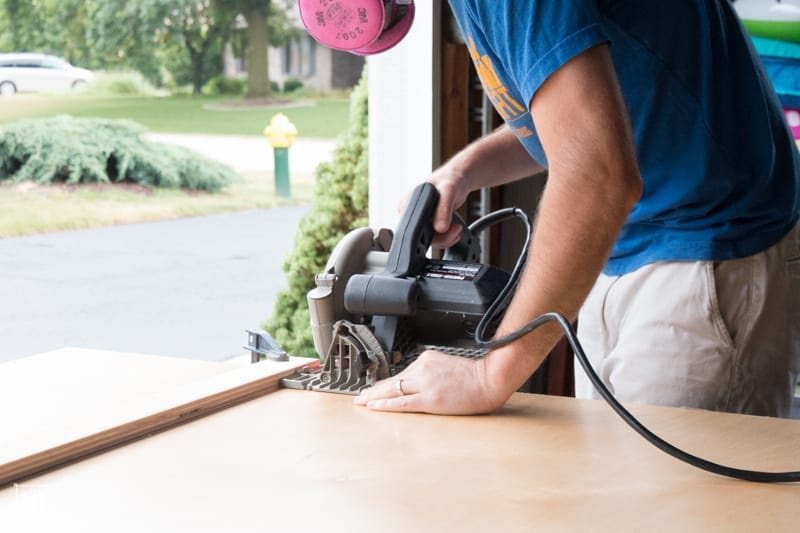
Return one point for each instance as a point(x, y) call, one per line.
point(258, 85)
point(197, 72)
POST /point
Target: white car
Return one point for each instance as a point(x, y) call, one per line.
point(39, 72)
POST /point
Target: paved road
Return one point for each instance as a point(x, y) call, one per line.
point(185, 288)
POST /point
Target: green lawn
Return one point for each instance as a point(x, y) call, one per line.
point(27, 208)
point(322, 118)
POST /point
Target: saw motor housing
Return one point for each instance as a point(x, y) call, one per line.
point(381, 300)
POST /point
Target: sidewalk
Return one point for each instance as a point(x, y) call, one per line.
point(251, 154)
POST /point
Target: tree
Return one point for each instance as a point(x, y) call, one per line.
point(267, 25)
point(198, 24)
point(255, 13)
point(72, 17)
point(14, 12)
point(142, 33)
point(146, 35)
point(43, 26)
point(126, 34)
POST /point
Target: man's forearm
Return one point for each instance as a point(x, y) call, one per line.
point(575, 232)
point(491, 160)
point(593, 185)
point(495, 159)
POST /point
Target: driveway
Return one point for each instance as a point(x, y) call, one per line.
point(185, 288)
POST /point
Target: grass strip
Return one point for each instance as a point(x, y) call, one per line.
point(314, 118)
point(27, 208)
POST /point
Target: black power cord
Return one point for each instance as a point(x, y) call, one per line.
point(502, 300)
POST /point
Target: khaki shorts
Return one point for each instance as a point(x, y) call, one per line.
point(722, 335)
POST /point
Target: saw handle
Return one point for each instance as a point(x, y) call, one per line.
point(394, 292)
point(414, 233)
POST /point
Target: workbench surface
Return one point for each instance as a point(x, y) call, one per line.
point(295, 460)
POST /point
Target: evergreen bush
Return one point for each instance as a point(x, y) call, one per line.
point(92, 150)
point(340, 204)
point(219, 85)
point(292, 85)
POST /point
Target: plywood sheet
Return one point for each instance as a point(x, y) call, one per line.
point(301, 461)
point(41, 392)
point(95, 416)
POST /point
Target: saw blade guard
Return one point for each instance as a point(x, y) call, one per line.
point(362, 250)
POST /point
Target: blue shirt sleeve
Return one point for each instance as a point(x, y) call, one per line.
point(534, 38)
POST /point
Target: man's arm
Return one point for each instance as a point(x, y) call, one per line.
point(494, 159)
point(592, 186)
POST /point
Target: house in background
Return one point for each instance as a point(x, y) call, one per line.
point(303, 59)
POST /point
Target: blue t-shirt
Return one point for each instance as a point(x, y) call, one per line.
point(721, 171)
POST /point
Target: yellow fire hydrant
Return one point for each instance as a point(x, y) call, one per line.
point(281, 133)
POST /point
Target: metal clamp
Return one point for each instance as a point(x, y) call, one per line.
point(262, 346)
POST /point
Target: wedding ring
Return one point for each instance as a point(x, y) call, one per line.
point(399, 386)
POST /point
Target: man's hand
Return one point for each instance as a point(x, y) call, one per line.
point(452, 193)
point(436, 383)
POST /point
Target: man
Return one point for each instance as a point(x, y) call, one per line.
point(671, 171)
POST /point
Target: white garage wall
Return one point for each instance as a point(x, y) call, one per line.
point(403, 120)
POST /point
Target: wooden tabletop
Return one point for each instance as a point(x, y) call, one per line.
point(306, 461)
point(303, 461)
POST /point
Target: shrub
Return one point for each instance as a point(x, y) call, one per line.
point(121, 82)
point(340, 204)
point(219, 85)
point(91, 150)
point(291, 85)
